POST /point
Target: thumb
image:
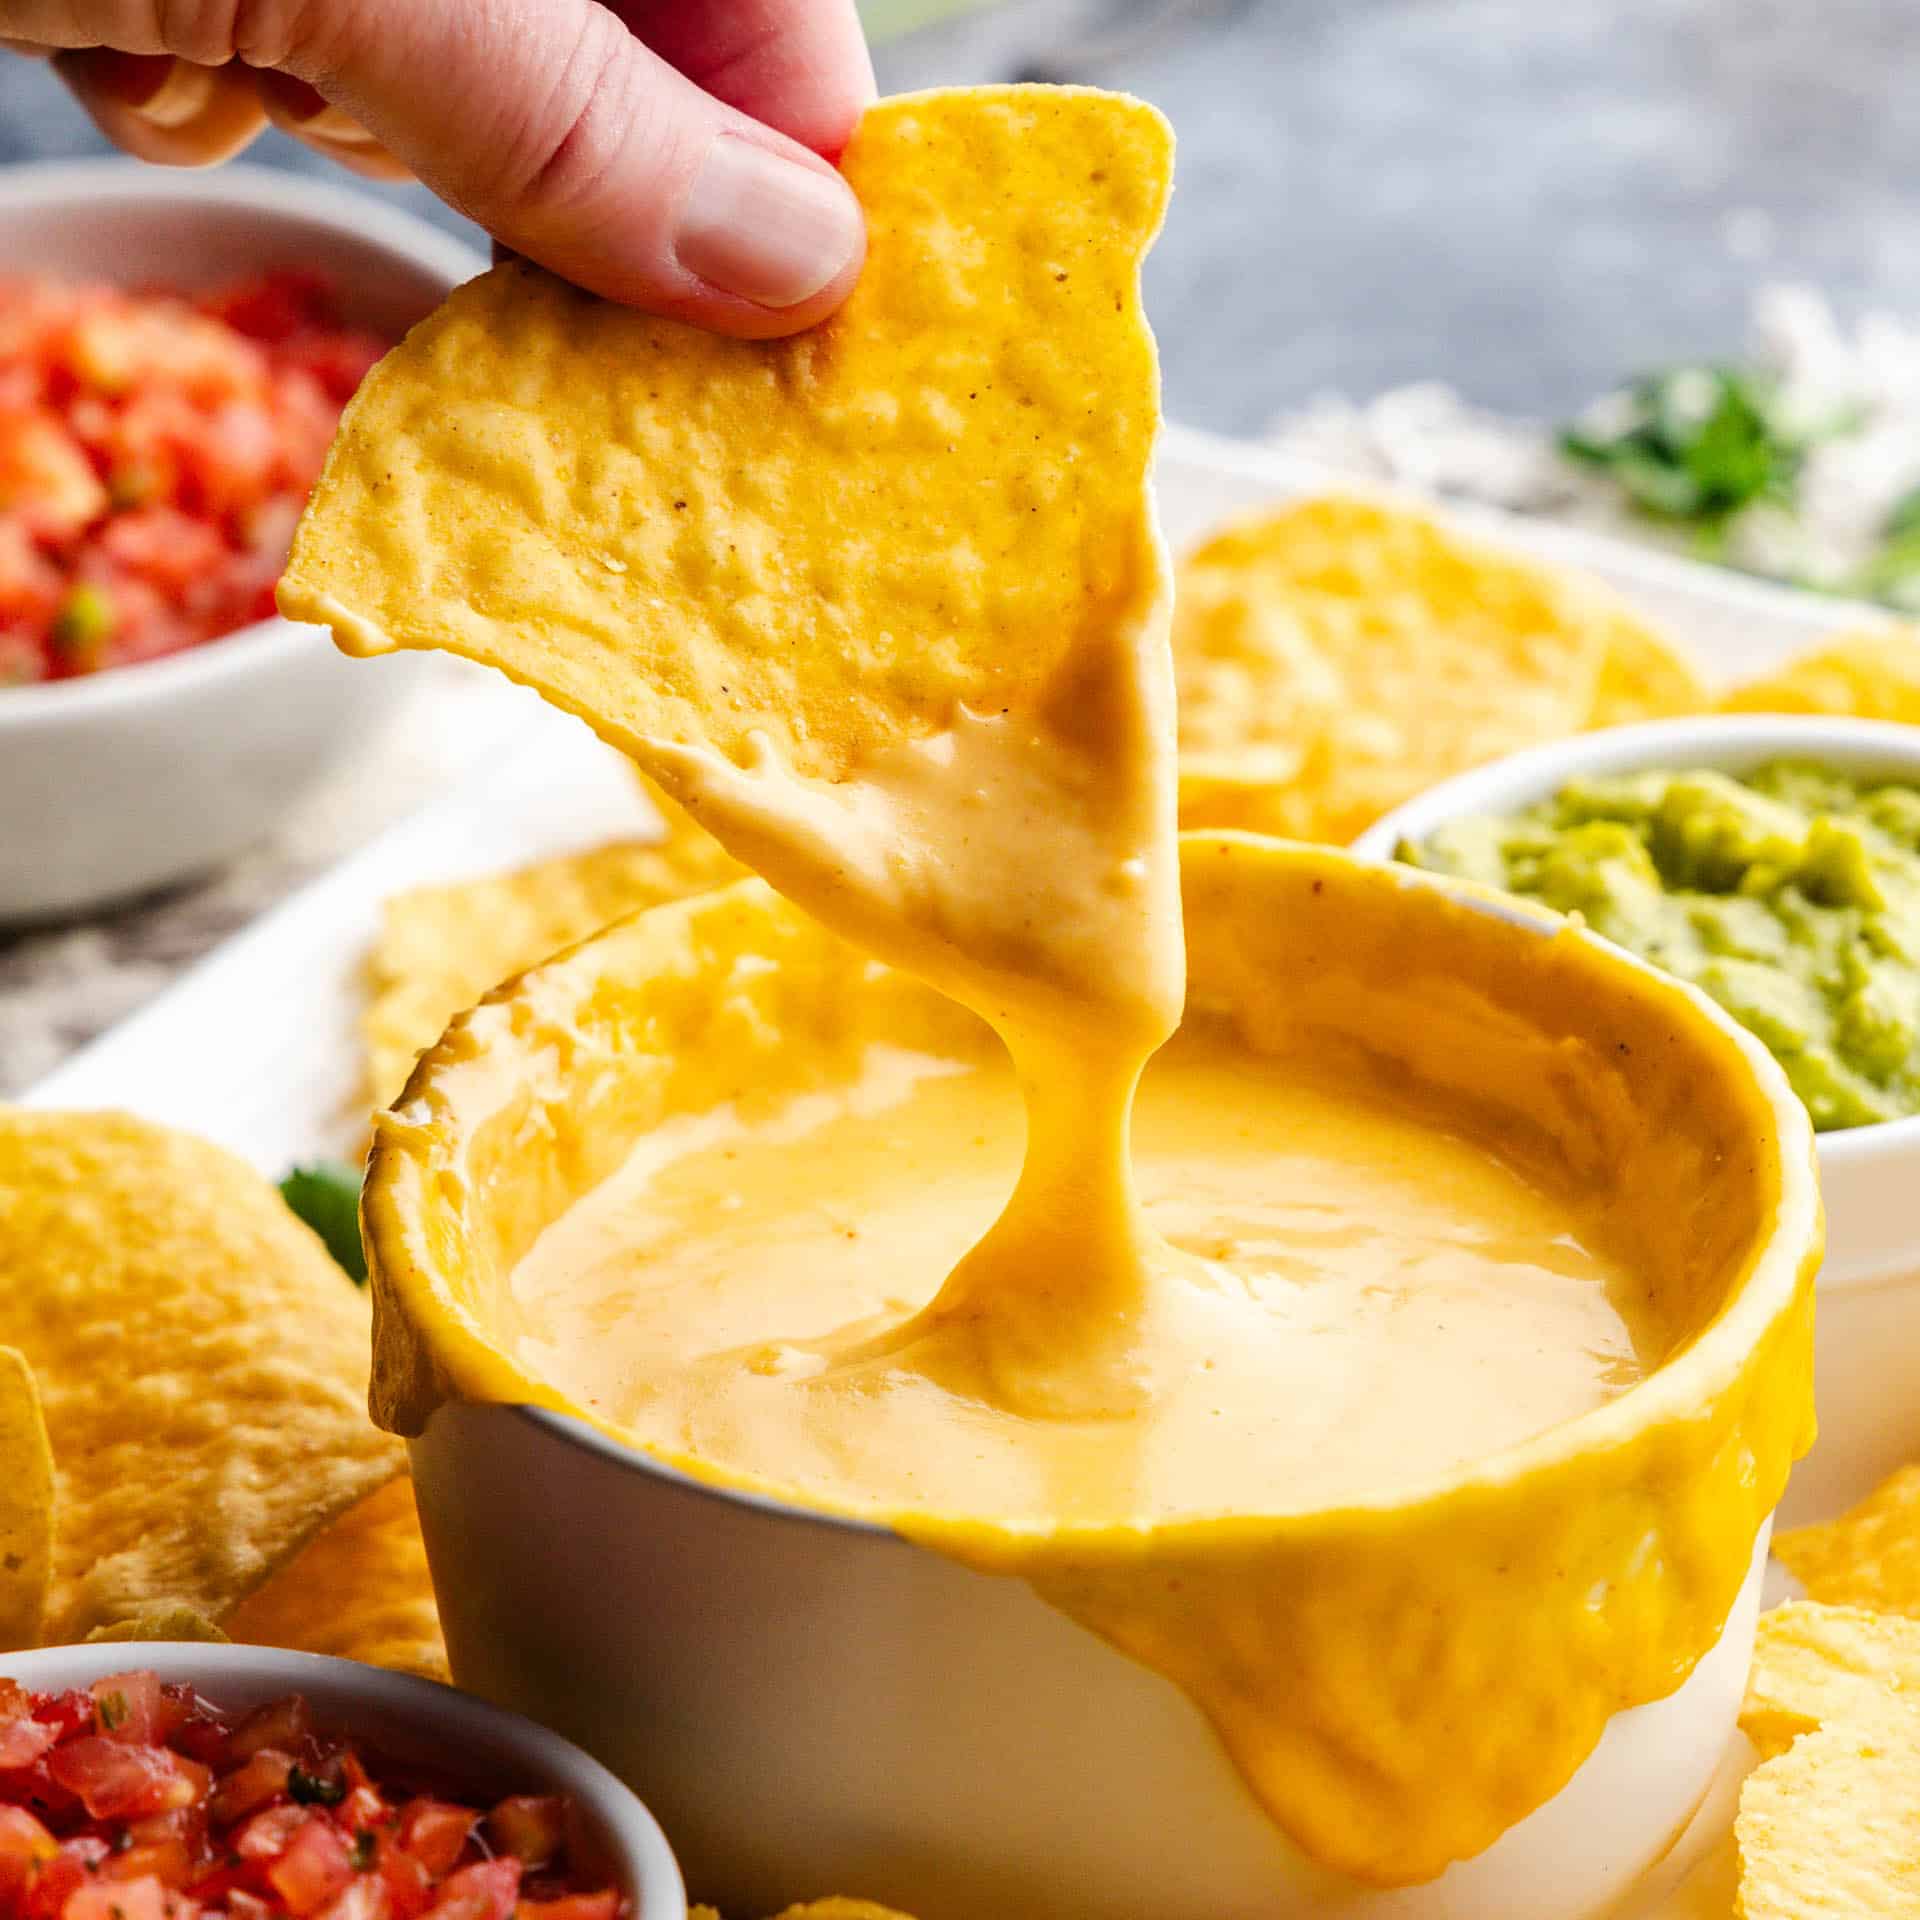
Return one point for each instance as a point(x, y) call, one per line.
point(557, 130)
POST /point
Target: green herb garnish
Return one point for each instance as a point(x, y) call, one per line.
point(83, 626)
point(1699, 443)
point(315, 1789)
point(362, 1851)
point(326, 1195)
point(113, 1709)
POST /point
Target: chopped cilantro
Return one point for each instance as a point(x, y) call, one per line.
point(362, 1851)
point(83, 626)
point(326, 1195)
point(113, 1709)
point(315, 1789)
point(1699, 443)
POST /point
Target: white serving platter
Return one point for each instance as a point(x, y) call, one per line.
point(257, 1047)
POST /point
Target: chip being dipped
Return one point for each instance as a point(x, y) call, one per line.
point(796, 579)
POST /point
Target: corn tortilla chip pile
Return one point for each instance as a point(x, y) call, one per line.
point(441, 948)
point(1829, 1822)
point(1336, 656)
point(195, 1372)
point(1862, 676)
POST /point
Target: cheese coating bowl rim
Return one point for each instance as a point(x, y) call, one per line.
point(1706, 1364)
point(512, 1638)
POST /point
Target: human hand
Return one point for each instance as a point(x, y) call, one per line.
point(673, 154)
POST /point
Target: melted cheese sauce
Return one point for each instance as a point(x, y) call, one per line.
point(1373, 1301)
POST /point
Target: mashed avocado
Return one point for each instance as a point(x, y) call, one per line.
point(1791, 895)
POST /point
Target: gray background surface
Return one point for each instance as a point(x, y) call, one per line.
point(1527, 197)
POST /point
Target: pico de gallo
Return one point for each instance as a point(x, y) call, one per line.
point(137, 1799)
point(155, 452)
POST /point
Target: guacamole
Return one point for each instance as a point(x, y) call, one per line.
point(1791, 895)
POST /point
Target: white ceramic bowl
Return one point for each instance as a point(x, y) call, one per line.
point(816, 1704)
point(143, 775)
point(410, 1719)
point(1868, 1351)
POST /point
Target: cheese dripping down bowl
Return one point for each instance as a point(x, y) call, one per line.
point(1867, 1386)
point(1503, 1685)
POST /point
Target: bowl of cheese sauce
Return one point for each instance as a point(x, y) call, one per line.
point(1392, 1550)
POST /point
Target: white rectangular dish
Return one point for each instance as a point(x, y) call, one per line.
point(258, 1046)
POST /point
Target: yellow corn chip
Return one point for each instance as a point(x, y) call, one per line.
point(1817, 1666)
point(360, 1589)
point(794, 555)
point(1867, 1558)
point(201, 1364)
point(441, 948)
point(1642, 677)
point(835, 1909)
point(164, 1622)
point(26, 1505)
point(680, 536)
point(1336, 656)
point(1863, 676)
point(1830, 1829)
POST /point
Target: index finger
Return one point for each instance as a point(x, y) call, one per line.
point(800, 66)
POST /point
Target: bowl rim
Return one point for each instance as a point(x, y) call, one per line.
point(1722, 742)
point(241, 189)
point(1764, 1290)
point(335, 1685)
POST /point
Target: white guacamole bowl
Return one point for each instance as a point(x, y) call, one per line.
point(1867, 1382)
point(814, 1705)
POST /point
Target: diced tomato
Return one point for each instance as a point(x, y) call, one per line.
point(25, 1846)
point(268, 1834)
point(603, 1905)
point(530, 1826)
point(272, 307)
point(361, 1808)
point(285, 1724)
point(409, 1885)
point(114, 1780)
point(167, 1861)
point(71, 1868)
point(487, 1890)
point(23, 1739)
point(365, 1898)
point(45, 475)
point(260, 1778)
point(435, 1832)
point(66, 1713)
point(141, 1899)
point(128, 1707)
point(314, 1868)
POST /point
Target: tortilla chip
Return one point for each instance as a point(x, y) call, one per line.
point(1873, 675)
point(805, 549)
point(1336, 656)
point(441, 948)
point(1869, 1557)
point(1816, 1666)
point(818, 1910)
point(361, 1590)
point(201, 1363)
point(162, 1623)
point(1830, 1829)
point(26, 1505)
point(1642, 677)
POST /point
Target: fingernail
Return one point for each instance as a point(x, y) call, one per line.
point(179, 98)
point(310, 110)
point(763, 227)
